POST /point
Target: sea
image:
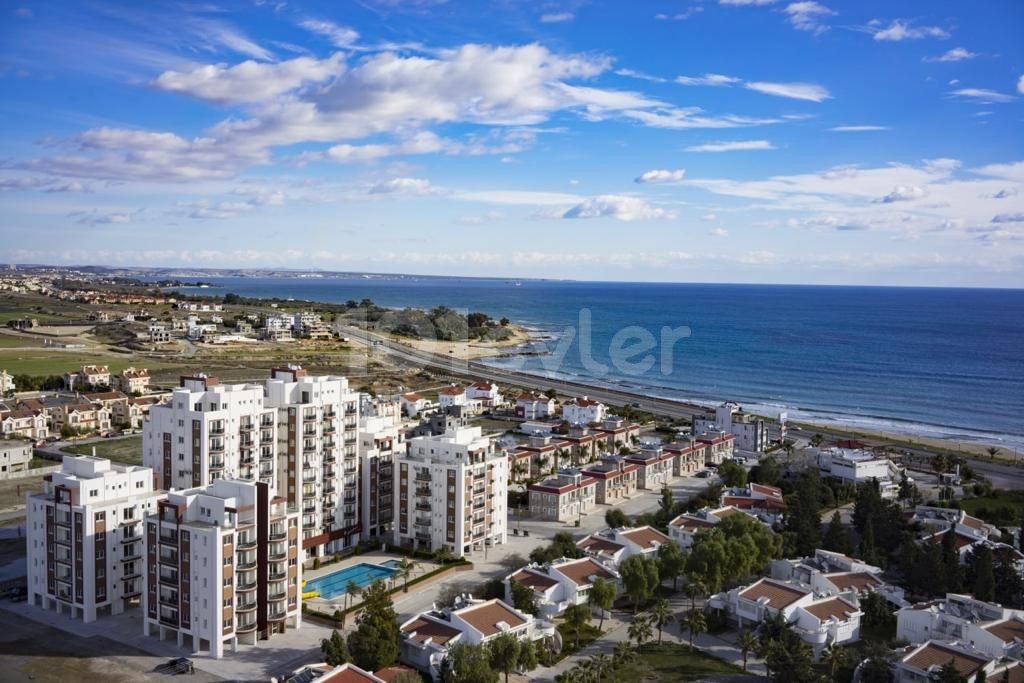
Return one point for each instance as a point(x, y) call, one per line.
point(935, 362)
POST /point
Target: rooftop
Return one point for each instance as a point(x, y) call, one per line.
point(646, 537)
point(490, 617)
point(933, 654)
point(778, 595)
point(423, 629)
point(833, 608)
point(582, 571)
point(534, 580)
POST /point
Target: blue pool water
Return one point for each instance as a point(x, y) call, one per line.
point(391, 564)
point(333, 585)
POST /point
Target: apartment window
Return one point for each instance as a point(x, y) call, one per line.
point(227, 581)
point(227, 560)
point(227, 623)
point(100, 516)
point(93, 493)
point(228, 540)
point(227, 602)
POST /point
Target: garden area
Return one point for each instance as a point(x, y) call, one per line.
point(126, 450)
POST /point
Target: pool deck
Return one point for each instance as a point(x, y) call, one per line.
point(377, 557)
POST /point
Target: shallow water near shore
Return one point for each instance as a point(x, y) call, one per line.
point(937, 362)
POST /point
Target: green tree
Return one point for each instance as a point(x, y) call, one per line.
point(352, 591)
point(661, 616)
point(732, 474)
point(374, 643)
point(666, 506)
point(670, 563)
point(640, 629)
point(523, 598)
point(746, 642)
point(878, 618)
point(949, 674)
point(639, 578)
point(767, 471)
point(334, 649)
point(695, 623)
point(836, 537)
point(466, 663)
point(834, 657)
point(803, 515)
point(504, 653)
point(736, 548)
point(602, 595)
point(527, 656)
point(984, 575)
point(616, 518)
point(577, 617)
point(404, 570)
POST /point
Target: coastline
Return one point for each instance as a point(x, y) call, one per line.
point(470, 350)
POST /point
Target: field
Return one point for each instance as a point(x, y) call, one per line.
point(674, 662)
point(55, 362)
point(12, 491)
point(127, 450)
point(1003, 508)
point(10, 341)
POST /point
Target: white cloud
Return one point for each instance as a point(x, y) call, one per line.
point(807, 15)
point(904, 193)
point(95, 217)
point(619, 207)
point(340, 36)
point(249, 81)
point(1020, 85)
point(661, 176)
point(216, 33)
point(731, 146)
point(857, 129)
point(680, 16)
point(901, 30)
point(1008, 218)
point(719, 232)
point(744, 3)
point(797, 91)
point(714, 80)
point(983, 95)
point(557, 17)
point(957, 54)
point(519, 197)
point(709, 217)
point(412, 186)
point(639, 75)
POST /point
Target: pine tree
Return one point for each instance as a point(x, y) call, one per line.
point(984, 576)
point(836, 538)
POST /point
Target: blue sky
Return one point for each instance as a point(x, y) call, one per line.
point(719, 141)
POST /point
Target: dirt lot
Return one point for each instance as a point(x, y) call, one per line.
point(127, 450)
point(12, 491)
point(30, 651)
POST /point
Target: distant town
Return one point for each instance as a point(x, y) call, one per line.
point(270, 490)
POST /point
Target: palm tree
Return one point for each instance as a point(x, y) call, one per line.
point(623, 654)
point(602, 664)
point(834, 657)
point(661, 615)
point(747, 641)
point(993, 451)
point(640, 629)
point(404, 569)
point(577, 616)
point(542, 462)
point(696, 623)
point(518, 470)
point(351, 591)
point(694, 589)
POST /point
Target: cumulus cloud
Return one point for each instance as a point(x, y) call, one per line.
point(899, 30)
point(903, 193)
point(714, 80)
point(661, 176)
point(807, 15)
point(557, 17)
point(957, 54)
point(983, 95)
point(249, 81)
point(96, 217)
point(857, 129)
point(797, 91)
point(410, 186)
point(732, 146)
point(1008, 218)
point(619, 207)
point(745, 3)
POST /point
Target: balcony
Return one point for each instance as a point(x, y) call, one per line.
point(309, 447)
point(421, 521)
point(266, 421)
point(169, 556)
point(309, 524)
point(478, 504)
point(276, 576)
point(247, 458)
point(309, 508)
point(266, 438)
point(267, 454)
point(131, 538)
point(169, 579)
point(216, 447)
point(275, 597)
point(246, 627)
point(423, 506)
point(278, 533)
point(350, 440)
point(277, 616)
point(216, 463)
point(132, 554)
point(248, 585)
point(422, 536)
point(246, 564)
point(330, 413)
point(350, 455)
point(63, 520)
point(278, 555)
point(329, 457)
point(246, 543)
point(350, 469)
point(246, 606)
point(216, 430)
point(169, 538)
point(329, 428)
point(423, 491)
point(309, 476)
point(350, 498)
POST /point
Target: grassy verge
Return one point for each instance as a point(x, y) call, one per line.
point(1001, 507)
point(44, 363)
point(588, 634)
point(675, 662)
point(127, 450)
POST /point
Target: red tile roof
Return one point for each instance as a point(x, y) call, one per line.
point(538, 582)
point(486, 617)
point(646, 537)
point(834, 608)
point(580, 571)
point(424, 629)
point(600, 546)
point(861, 581)
point(933, 654)
point(1007, 630)
point(779, 595)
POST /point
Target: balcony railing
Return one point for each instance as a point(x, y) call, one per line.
point(420, 521)
point(278, 533)
point(423, 506)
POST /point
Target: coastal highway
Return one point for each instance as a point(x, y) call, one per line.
point(467, 368)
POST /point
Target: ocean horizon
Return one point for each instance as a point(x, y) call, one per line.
point(920, 361)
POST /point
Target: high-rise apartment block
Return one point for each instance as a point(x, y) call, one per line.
point(452, 492)
point(85, 547)
point(223, 566)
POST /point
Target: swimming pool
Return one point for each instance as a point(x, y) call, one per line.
point(333, 585)
point(391, 564)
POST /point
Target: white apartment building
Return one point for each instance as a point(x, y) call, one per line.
point(533, 406)
point(451, 396)
point(296, 433)
point(85, 547)
point(133, 381)
point(831, 573)
point(989, 628)
point(381, 440)
point(7, 385)
point(15, 456)
point(560, 584)
point(452, 492)
point(684, 528)
point(583, 411)
point(224, 566)
point(750, 431)
point(855, 466)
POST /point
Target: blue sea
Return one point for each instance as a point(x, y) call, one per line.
point(926, 361)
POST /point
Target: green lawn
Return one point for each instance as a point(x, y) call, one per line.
point(674, 662)
point(588, 634)
point(42, 362)
point(1002, 507)
point(9, 341)
point(127, 450)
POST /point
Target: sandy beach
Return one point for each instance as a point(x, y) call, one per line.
point(471, 350)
